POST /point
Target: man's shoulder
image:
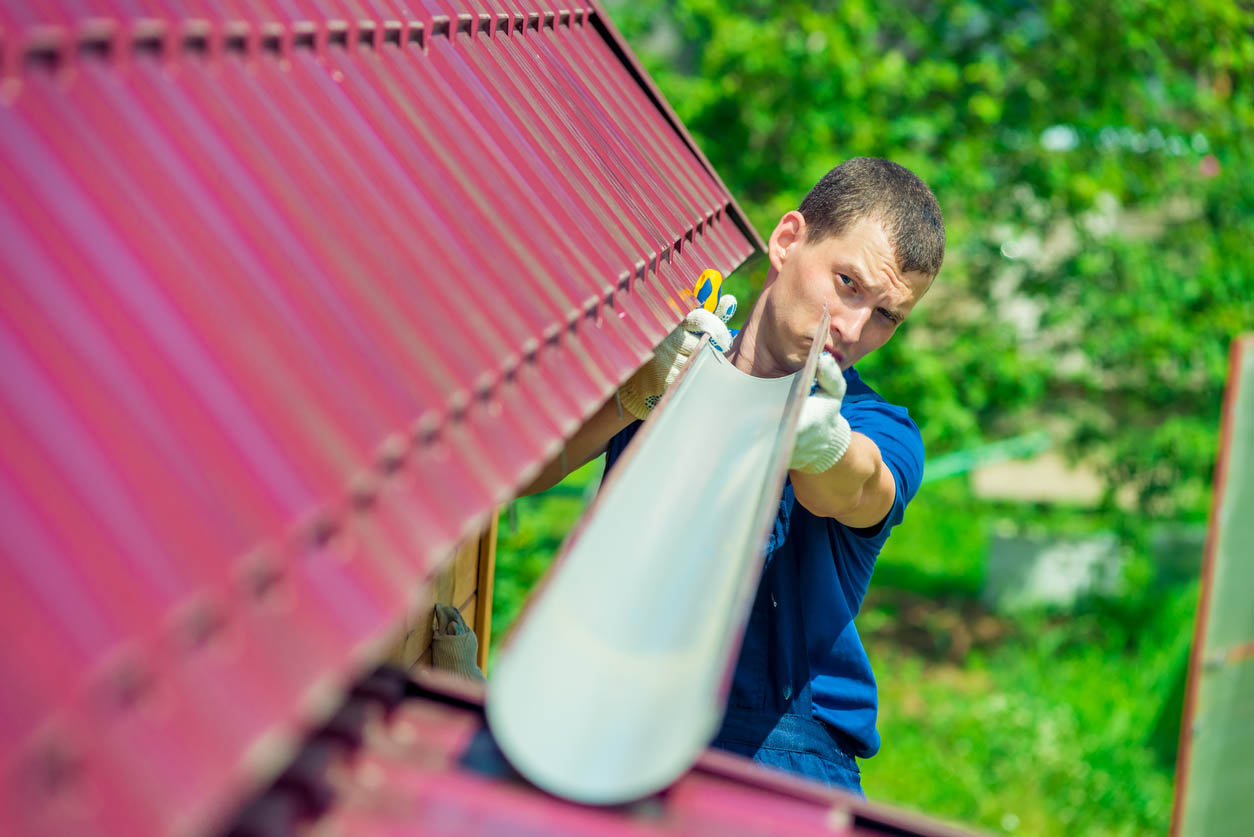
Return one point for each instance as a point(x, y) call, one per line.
point(856, 388)
point(860, 394)
point(892, 429)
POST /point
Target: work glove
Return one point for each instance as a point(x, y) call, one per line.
point(644, 389)
point(823, 434)
point(454, 646)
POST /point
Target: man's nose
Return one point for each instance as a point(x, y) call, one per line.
point(849, 322)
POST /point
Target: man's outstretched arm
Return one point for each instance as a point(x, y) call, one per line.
point(587, 444)
point(835, 472)
point(858, 490)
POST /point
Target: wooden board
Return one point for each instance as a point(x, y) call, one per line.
point(482, 622)
point(465, 579)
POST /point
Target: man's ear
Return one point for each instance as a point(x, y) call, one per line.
point(789, 231)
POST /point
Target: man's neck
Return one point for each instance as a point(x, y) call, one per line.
point(749, 354)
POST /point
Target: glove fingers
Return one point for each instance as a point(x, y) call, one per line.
point(699, 320)
point(641, 392)
point(830, 378)
point(691, 340)
point(449, 620)
point(639, 404)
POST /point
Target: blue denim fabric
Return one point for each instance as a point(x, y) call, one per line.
point(797, 744)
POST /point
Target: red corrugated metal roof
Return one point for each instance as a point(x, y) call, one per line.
point(417, 758)
point(295, 294)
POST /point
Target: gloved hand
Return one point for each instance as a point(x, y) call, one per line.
point(644, 389)
point(454, 646)
point(823, 434)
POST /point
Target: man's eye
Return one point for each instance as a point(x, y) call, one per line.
point(888, 315)
point(845, 279)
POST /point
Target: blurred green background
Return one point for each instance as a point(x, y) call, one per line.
point(1095, 163)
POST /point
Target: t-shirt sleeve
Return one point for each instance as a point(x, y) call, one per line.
point(901, 447)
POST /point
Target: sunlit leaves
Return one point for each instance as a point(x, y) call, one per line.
point(1089, 124)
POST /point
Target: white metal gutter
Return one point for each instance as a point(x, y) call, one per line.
point(616, 677)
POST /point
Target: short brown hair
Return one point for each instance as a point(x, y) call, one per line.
point(871, 187)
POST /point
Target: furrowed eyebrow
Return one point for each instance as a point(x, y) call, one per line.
point(853, 273)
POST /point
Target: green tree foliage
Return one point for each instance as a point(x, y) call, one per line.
point(1095, 162)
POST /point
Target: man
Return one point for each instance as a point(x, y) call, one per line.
point(864, 245)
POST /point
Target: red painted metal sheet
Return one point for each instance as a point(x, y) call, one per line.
point(296, 292)
point(424, 762)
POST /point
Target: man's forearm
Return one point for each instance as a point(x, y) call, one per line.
point(858, 490)
point(588, 442)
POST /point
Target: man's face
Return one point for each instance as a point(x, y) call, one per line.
point(854, 275)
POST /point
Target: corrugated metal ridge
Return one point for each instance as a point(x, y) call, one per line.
point(39, 44)
point(52, 48)
point(31, 38)
point(53, 43)
point(288, 309)
point(606, 23)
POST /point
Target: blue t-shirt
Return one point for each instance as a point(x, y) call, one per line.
point(804, 644)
